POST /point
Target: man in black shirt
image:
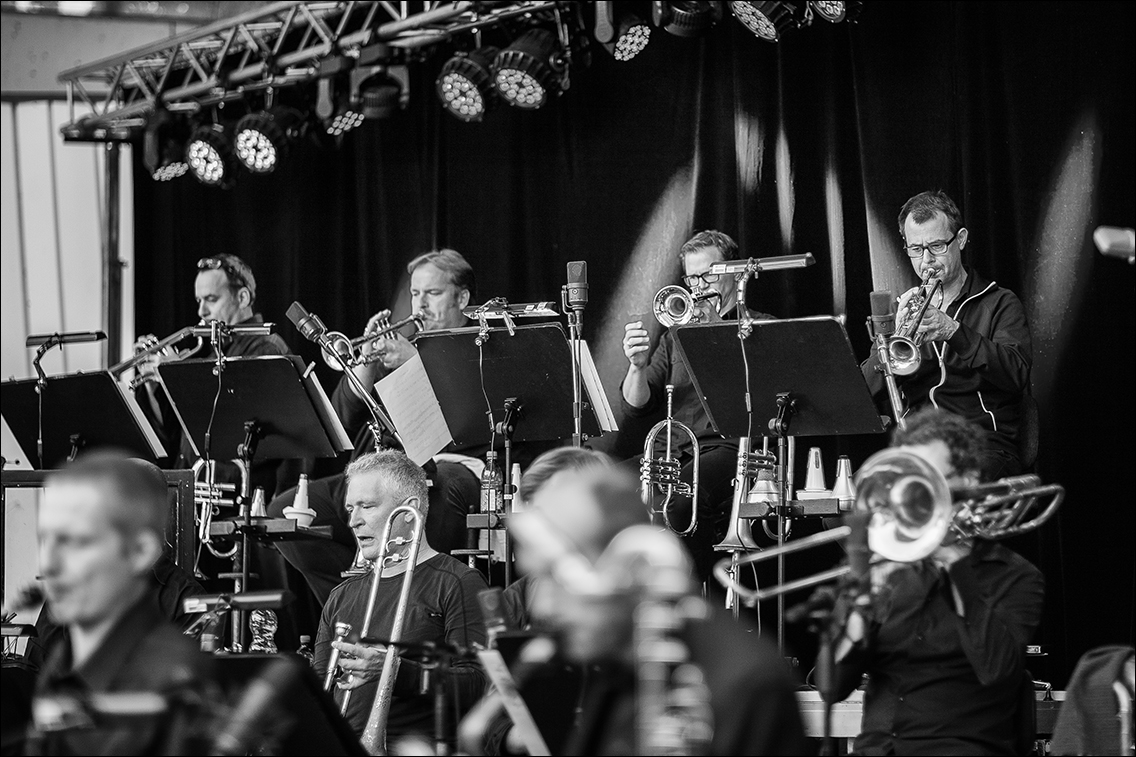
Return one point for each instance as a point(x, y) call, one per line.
point(945, 652)
point(101, 528)
point(442, 607)
point(643, 393)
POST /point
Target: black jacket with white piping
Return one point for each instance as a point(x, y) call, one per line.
point(981, 372)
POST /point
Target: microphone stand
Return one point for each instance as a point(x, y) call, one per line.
point(575, 314)
point(41, 385)
point(507, 427)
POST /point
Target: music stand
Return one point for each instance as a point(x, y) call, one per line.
point(529, 370)
point(266, 406)
point(803, 380)
point(79, 410)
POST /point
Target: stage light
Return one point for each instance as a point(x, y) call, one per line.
point(528, 69)
point(769, 20)
point(210, 155)
point(163, 145)
point(340, 113)
point(465, 85)
point(625, 39)
point(263, 138)
point(836, 11)
point(686, 19)
point(380, 95)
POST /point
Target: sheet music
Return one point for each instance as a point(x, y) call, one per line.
point(595, 390)
point(140, 420)
point(413, 407)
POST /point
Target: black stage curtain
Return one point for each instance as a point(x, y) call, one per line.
point(1023, 112)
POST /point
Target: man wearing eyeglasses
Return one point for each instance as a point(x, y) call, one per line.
point(976, 346)
point(644, 394)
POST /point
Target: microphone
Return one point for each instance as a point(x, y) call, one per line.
point(578, 284)
point(492, 604)
point(66, 337)
point(1116, 242)
point(308, 324)
point(883, 317)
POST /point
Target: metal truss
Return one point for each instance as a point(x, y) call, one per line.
point(280, 45)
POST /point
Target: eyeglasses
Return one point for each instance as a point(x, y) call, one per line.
point(935, 248)
point(703, 278)
point(215, 264)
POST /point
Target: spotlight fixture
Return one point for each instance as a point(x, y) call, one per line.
point(768, 19)
point(163, 145)
point(465, 85)
point(337, 114)
point(686, 18)
point(836, 11)
point(210, 155)
point(527, 69)
point(624, 40)
point(263, 137)
point(382, 93)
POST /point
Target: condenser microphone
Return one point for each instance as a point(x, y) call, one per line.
point(883, 317)
point(577, 284)
point(1116, 242)
point(308, 324)
point(66, 337)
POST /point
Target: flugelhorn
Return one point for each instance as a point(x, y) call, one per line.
point(913, 510)
point(903, 347)
point(350, 351)
point(674, 305)
point(149, 346)
point(663, 472)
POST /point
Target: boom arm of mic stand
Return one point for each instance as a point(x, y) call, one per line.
point(379, 418)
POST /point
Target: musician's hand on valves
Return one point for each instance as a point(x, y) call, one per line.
point(359, 663)
point(936, 326)
point(394, 351)
point(149, 366)
point(636, 344)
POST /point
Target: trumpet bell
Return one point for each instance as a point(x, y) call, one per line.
point(903, 356)
point(910, 504)
point(674, 305)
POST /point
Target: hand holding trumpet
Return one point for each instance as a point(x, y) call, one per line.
point(392, 349)
point(936, 326)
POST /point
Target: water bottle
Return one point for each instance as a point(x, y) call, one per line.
point(305, 650)
point(491, 484)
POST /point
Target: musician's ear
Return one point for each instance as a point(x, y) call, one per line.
point(463, 299)
point(962, 237)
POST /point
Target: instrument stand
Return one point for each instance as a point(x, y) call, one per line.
point(801, 373)
point(267, 406)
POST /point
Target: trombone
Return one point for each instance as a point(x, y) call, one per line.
point(374, 735)
point(913, 510)
point(339, 350)
point(663, 472)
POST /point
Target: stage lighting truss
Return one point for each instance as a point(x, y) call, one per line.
point(529, 68)
point(466, 84)
point(209, 155)
point(624, 38)
point(686, 18)
point(768, 19)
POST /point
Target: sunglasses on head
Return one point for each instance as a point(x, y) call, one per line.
point(214, 264)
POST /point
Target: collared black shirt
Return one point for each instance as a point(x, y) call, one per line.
point(142, 653)
point(941, 683)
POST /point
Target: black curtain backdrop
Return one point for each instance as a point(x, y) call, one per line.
point(1023, 112)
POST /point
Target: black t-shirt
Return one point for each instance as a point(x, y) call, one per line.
point(442, 608)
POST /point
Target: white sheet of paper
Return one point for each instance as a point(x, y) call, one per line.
point(413, 407)
point(594, 387)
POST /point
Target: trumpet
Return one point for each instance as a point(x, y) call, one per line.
point(912, 512)
point(374, 734)
point(663, 472)
point(148, 347)
point(903, 347)
point(340, 351)
point(674, 305)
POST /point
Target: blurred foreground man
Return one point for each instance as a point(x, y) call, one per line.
point(101, 528)
point(620, 595)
